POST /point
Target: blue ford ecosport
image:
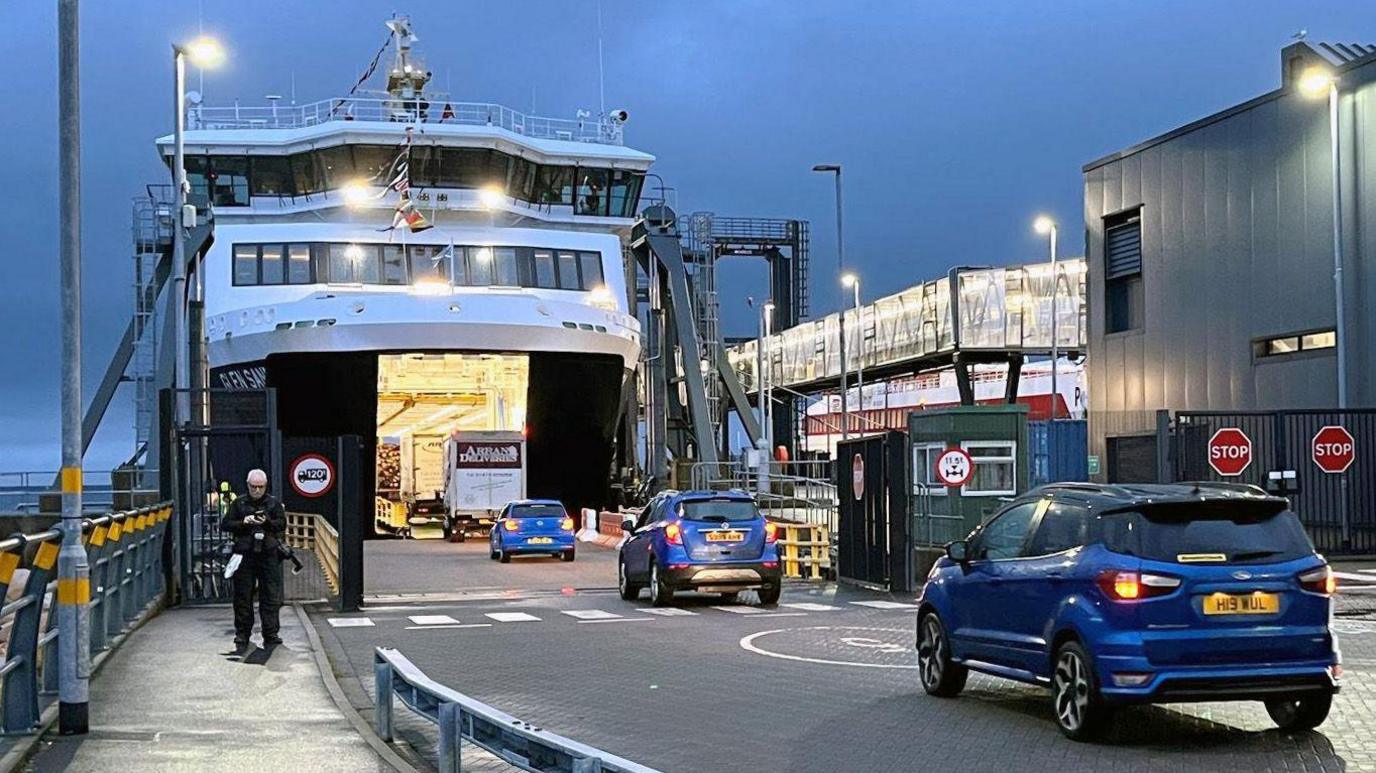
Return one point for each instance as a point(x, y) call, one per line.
point(1125, 594)
point(532, 526)
point(708, 541)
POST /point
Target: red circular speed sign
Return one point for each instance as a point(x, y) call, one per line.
point(1230, 451)
point(1333, 449)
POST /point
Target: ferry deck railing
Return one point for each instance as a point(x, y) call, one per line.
point(427, 109)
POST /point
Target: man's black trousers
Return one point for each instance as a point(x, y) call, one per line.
point(263, 571)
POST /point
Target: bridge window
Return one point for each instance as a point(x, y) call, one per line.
point(430, 262)
point(568, 271)
point(625, 193)
point(373, 163)
point(554, 185)
point(305, 174)
point(506, 272)
point(480, 266)
point(271, 176)
point(591, 263)
point(354, 264)
point(299, 264)
point(592, 191)
point(228, 178)
point(393, 264)
point(544, 269)
point(338, 165)
point(270, 264)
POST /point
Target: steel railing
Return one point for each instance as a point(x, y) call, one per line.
point(124, 551)
point(460, 718)
point(801, 491)
point(427, 109)
point(932, 529)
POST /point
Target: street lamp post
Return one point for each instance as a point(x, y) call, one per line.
point(1047, 226)
point(1315, 82)
point(766, 386)
point(203, 52)
point(841, 315)
point(852, 281)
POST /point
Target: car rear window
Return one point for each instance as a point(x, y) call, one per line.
point(1209, 532)
point(537, 511)
point(718, 510)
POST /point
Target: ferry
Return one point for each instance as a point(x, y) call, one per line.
point(400, 266)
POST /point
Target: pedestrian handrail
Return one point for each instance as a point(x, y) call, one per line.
point(124, 553)
point(314, 532)
point(460, 717)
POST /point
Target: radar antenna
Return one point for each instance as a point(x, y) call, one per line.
point(408, 76)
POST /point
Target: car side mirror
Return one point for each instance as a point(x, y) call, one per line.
point(628, 525)
point(958, 551)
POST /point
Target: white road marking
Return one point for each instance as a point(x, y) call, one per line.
point(883, 605)
point(1354, 577)
point(591, 614)
point(1368, 571)
point(667, 611)
point(446, 627)
point(620, 620)
point(433, 620)
point(512, 617)
point(350, 622)
point(742, 610)
point(808, 606)
point(748, 644)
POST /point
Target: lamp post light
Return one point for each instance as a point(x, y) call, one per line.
point(850, 280)
point(203, 52)
point(1316, 82)
point(840, 266)
point(1047, 227)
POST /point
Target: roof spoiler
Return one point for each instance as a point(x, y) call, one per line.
point(1233, 508)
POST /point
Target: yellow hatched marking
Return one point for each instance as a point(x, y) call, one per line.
point(47, 556)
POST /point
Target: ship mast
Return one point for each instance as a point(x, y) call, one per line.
point(408, 76)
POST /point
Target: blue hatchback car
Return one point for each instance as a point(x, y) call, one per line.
point(532, 526)
point(1114, 595)
point(706, 541)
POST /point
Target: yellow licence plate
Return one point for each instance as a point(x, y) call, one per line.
point(724, 536)
point(1242, 604)
point(540, 541)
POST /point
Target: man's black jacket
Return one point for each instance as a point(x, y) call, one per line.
point(272, 529)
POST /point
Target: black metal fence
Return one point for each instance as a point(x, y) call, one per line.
point(1338, 509)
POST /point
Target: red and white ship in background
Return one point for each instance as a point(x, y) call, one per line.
point(887, 404)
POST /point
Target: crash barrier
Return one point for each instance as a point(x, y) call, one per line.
point(124, 553)
point(460, 717)
point(609, 524)
point(313, 532)
point(390, 517)
point(804, 550)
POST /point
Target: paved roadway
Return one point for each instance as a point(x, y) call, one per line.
point(825, 681)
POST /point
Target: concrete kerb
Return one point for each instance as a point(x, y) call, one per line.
point(25, 746)
point(360, 724)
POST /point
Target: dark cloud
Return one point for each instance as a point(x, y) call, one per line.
point(956, 122)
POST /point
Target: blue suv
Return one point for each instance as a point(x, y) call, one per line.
point(1113, 595)
point(706, 541)
point(532, 527)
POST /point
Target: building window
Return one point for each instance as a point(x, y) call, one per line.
point(1294, 343)
point(924, 468)
point(1123, 299)
point(996, 469)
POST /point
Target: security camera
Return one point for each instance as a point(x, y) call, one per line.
point(620, 116)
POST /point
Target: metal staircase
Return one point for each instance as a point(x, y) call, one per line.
point(152, 232)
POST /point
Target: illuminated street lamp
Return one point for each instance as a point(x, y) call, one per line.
point(1316, 82)
point(1047, 227)
point(203, 52)
point(835, 169)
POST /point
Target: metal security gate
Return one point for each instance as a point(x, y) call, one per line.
point(1338, 509)
point(236, 439)
point(874, 540)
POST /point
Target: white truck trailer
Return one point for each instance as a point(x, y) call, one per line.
point(483, 471)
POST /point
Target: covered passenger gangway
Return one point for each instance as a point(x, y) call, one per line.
point(970, 316)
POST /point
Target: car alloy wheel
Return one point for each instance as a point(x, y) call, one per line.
point(931, 654)
point(1070, 687)
point(660, 594)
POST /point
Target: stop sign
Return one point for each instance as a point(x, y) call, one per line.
point(1333, 449)
point(1230, 451)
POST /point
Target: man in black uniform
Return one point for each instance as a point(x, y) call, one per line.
point(257, 523)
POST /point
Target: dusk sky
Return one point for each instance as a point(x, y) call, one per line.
point(956, 123)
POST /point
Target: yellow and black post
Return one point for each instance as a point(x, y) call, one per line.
point(73, 571)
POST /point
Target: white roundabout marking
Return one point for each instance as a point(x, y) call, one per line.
point(748, 644)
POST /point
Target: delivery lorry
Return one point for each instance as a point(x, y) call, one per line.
point(483, 471)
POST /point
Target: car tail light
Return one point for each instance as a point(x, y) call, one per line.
point(566, 524)
point(771, 532)
point(510, 524)
point(1320, 581)
point(1134, 586)
point(674, 534)
point(771, 564)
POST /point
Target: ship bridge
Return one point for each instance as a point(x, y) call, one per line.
point(972, 315)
